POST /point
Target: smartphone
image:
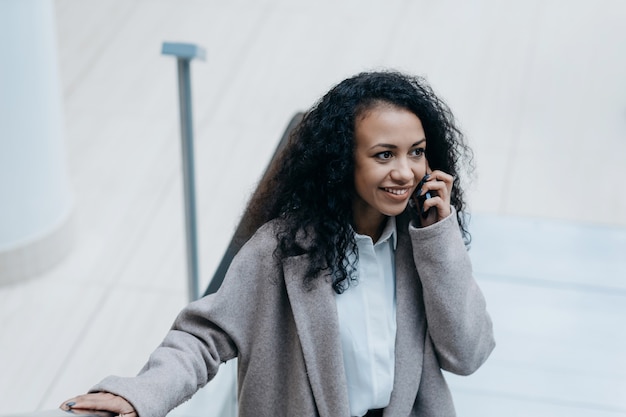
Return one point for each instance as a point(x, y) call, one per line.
point(420, 199)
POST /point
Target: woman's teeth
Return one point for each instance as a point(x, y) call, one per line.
point(395, 191)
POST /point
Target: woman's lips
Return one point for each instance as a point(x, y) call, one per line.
point(397, 193)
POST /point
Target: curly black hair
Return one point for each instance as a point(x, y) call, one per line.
point(310, 185)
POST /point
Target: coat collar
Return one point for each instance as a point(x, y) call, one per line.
point(315, 314)
point(389, 232)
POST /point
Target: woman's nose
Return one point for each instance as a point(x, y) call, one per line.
point(402, 171)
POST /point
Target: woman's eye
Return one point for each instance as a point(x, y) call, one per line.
point(384, 155)
point(418, 151)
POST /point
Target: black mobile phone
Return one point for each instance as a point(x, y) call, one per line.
point(422, 198)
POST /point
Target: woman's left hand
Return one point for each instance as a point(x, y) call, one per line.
point(437, 207)
point(99, 401)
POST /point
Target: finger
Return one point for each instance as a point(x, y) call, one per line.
point(441, 205)
point(428, 217)
point(441, 176)
point(99, 401)
point(436, 188)
point(440, 187)
point(97, 413)
point(441, 182)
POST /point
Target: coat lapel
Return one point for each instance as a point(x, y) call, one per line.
point(411, 325)
point(315, 314)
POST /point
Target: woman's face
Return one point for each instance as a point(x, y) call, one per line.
point(389, 163)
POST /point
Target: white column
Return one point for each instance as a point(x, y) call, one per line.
point(35, 196)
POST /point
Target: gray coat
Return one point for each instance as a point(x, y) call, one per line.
point(286, 338)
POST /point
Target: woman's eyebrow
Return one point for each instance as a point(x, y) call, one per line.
point(384, 145)
point(391, 146)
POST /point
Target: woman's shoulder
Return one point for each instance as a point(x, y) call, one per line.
point(264, 238)
point(270, 233)
point(254, 262)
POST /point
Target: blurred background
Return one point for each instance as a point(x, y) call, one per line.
point(92, 244)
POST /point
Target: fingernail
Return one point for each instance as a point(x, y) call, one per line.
point(419, 191)
point(71, 404)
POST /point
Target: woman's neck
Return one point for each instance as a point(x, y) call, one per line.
point(372, 227)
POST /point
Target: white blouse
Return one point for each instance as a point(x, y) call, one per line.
point(367, 323)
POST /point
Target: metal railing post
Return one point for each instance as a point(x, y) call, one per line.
point(184, 53)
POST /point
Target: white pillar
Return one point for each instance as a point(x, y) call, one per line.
point(35, 196)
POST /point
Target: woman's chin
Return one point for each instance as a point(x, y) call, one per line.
point(396, 210)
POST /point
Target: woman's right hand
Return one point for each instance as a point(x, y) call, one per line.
point(101, 401)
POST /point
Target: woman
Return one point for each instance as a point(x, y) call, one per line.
point(355, 291)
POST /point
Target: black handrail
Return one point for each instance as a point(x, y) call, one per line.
point(240, 235)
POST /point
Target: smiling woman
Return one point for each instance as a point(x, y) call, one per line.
point(344, 204)
point(389, 163)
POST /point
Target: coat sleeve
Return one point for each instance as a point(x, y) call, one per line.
point(456, 315)
point(205, 334)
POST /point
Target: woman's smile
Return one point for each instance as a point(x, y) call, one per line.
point(397, 191)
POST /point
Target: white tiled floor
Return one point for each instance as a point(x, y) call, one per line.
point(537, 85)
